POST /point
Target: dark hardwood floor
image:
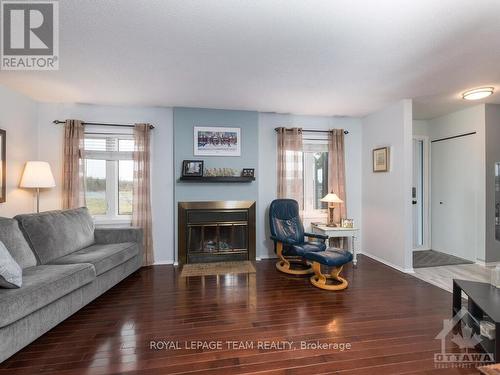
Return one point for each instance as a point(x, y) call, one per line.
point(390, 320)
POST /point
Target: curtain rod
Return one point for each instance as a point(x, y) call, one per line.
point(314, 131)
point(57, 122)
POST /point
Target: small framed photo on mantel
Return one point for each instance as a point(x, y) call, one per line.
point(248, 172)
point(192, 168)
point(381, 159)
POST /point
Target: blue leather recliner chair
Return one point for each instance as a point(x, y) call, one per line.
point(289, 238)
point(307, 257)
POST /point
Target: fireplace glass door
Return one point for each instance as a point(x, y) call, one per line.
point(217, 238)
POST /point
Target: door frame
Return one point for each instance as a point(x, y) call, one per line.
point(427, 217)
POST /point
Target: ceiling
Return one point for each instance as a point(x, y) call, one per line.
point(345, 58)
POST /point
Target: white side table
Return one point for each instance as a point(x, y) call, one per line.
point(339, 232)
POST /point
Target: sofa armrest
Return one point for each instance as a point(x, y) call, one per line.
point(118, 235)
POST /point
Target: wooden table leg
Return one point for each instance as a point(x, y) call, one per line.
point(354, 250)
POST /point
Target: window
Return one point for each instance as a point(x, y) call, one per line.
point(315, 160)
point(109, 169)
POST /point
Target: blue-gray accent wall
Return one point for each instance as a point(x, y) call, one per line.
point(185, 119)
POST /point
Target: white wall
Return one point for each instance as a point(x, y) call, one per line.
point(461, 122)
point(50, 150)
point(421, 128)
point(18, 116)
point(386, 202)
point(266, 173)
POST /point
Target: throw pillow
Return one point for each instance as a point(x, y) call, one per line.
point(11, 274)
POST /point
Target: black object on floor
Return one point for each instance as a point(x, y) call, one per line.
point(431, 258)
point(484, 300)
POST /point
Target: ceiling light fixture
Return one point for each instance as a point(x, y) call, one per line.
point(476, 94)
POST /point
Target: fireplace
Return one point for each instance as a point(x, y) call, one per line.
point(216, 231)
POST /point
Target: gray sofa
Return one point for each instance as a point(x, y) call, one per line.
point(66, 264)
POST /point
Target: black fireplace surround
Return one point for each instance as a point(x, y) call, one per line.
point(216, 231)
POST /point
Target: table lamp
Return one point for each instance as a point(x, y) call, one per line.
point(331, 199)
point(37, 175)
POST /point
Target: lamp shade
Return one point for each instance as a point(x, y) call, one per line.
point(331, 198)
point(37, 174)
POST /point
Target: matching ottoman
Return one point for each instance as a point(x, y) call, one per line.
point(335, 259)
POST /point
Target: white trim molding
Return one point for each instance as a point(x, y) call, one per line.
point(426, 162)
point(392, 265)
point(163, 262)
point(487, 264)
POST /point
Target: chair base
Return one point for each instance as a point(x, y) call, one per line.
point(320, 280)
point(285, 266)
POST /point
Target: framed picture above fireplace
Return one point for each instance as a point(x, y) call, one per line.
point(217, 141)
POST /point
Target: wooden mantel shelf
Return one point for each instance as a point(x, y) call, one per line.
point(217, 179)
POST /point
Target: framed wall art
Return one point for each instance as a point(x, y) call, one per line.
point(217, 141)
point(192, 168)
point(248, 172)
point(381, 157)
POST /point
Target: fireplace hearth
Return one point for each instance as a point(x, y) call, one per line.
point(216, 231)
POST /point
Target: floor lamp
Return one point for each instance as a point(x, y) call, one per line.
point(37, 175)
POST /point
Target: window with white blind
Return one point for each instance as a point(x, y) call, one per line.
point(109, 170)
point(315, 175)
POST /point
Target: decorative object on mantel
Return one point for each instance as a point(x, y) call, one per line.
point(37, 175)
point(217, 141)
point(332, 199)
point(248, 172)
point(221, 172)
point(192, 168)
point(3, 166)
point(347, 223)
point(381, 158)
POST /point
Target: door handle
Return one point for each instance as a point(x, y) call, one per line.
point(413, 202)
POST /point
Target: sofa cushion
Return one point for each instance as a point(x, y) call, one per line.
point(41, 286)
point(54, 234)
point(11, 274)
point(14, 241)
point(103, 256)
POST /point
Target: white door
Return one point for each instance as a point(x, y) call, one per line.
point(418, 194)
point(454, 198)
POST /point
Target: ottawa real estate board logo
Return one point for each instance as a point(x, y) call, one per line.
point(29, 35)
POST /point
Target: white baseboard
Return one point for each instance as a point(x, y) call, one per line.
point(383, 261)
point(163, 262)
point(267, 256)
point(484, 264)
